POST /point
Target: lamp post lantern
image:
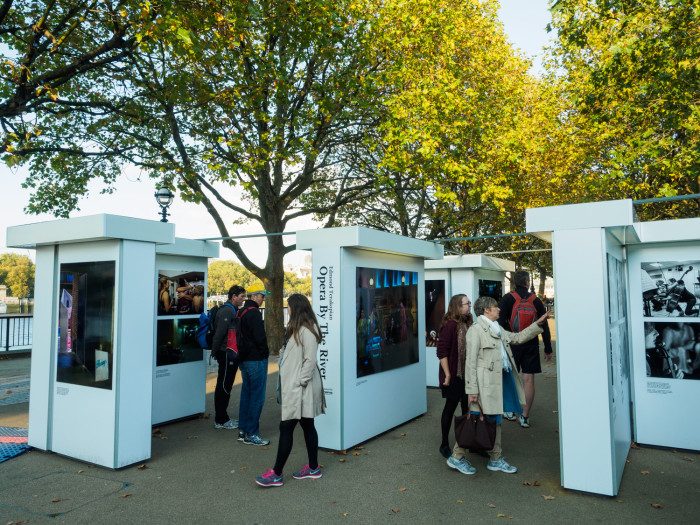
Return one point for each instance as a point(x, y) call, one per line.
point(164, 197)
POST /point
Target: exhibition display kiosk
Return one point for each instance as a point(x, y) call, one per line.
point(93, 357)
point(473, 275)
point(179, 364)
point(368, 295)
point(614, 278)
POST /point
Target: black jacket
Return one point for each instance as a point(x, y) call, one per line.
point(507, 303)
point(253, 343)
point(224, 314)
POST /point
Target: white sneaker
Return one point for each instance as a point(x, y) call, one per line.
point(461, 464)
point(524, 422)
point(229, 425)
point(510, 416)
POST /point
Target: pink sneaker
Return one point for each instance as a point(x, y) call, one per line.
point(269, 479)
point(308, 472)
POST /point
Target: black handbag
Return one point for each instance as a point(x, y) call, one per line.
point(474, 431)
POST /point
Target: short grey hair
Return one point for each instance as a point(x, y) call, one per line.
point(482, 303)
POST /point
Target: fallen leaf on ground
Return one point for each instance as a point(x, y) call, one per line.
point(81, 471)
point(163, 437)
point(634, 445)
point(265, 447)
point(243, 468)
point(459, 501)
point(500, 515)
point(403, 433)
point(126, 495)
point(192, 437)
point(204, 416)
point(331, 502)
point(657, 506)
point(342, 460)
point(8, 391)
point(395, 511)
point(143, 466)
point(688, 459)
point(402, 489)
point(55, 500)
point(357, 454)
point(343, 452)
point(545, 497)
point(155, 431)
point(527, 483)
point(645, 472)
point(536, 483)
point(492, 506)
point(345, 514)
point(359, 448)
point(619, 500)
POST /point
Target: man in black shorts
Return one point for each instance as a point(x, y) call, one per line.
point(527, 355)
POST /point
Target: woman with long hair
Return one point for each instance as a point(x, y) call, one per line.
point(452, 351)
point(301, 391)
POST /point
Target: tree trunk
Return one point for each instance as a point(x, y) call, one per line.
point(274, 283)
point(543, 278)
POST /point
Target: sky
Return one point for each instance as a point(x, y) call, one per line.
point(524, 22)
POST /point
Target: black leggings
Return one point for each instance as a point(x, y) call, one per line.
point(447, 413)
point(287, 439)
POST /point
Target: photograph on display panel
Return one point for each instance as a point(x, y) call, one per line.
point(386, 320)
point(177, 342)
point(434, 309)
point(85, 324)
point(671, 288)
point(180, 293)
point(490, 288)
point(672, 349)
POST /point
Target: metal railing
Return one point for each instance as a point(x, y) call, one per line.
point(16, 332)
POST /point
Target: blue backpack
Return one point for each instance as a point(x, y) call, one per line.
point(205, 330)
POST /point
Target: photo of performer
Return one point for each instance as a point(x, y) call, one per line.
point(671, 289)
point(180, 293)
point(672, 350)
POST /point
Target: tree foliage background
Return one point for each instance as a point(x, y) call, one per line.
point(412, 116)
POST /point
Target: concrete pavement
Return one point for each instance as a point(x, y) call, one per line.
point(201, 474)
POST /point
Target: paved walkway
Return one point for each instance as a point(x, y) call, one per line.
point(199, 474)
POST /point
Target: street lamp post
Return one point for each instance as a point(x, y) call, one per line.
point(164, 197)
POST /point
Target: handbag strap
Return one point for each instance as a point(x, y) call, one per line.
point(478, 403)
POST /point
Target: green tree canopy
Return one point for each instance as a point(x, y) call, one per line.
point(17, 273)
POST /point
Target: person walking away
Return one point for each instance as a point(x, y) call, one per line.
point(228, 365)
point(452, 351)
point(301, 388)
point(252, 356)
point(527, 356)
point(490, 381)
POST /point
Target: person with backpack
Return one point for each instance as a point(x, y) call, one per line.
point(253, 356)
point(519, 309)
point(221, 317)
point(300, 390)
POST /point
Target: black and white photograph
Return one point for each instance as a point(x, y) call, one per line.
point(434, 309)
point(180, 293)
point(671, 288)
point(672, 349)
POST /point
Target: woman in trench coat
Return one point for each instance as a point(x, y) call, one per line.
point(301, 390)
point(492, 383)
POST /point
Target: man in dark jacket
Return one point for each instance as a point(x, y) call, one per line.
point(253, 355)
point(527, 355)
point(228, 366)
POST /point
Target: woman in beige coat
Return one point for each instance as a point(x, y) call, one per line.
point(301, 391)
point(491, 378)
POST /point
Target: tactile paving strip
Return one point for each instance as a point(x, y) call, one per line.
point(13, 442)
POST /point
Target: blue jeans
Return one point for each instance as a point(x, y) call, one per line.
point(254, 375)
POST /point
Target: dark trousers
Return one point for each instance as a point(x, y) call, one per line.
point(287, 439)
point(224, 382)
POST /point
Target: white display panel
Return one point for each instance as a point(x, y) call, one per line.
point(437, 296)
point(375, 403)
point(664, 342)
point(83, 419)
point(179, 363)
point(326, 301)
